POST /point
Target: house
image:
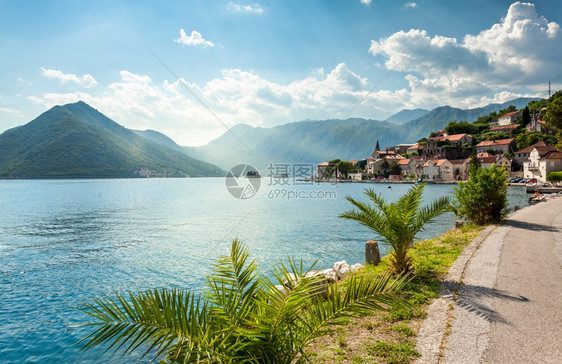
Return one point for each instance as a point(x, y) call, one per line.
point(524, 153)
point(540, 126)
point(460, 169)
point(408, 166)
point(449, 146)
point(401, 148)
point(487, 160)
point(432, 169)
point(507, 128)
point(446, 170)
point(510, 118)
point(323, 171)
point(416, 148)
point(538, 166)
point(376, 166)
point(358, 176)
point(502, 146)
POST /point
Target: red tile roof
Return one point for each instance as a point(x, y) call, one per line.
point(457, 161)
point(492, 143)
point(509, 114)
point(456, 137)
point(541, 146)
point(404, 162)
point(507, 127)
point(553, 155)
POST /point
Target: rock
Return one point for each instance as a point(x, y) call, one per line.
point(291, 280)
point(281, 288)
point(341, 268)
point(330, 274)
point(355, 267)
point(459, 224)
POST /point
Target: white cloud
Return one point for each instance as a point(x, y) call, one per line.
point(366, 2)
point(86, 80)
point(252, 9)
point(410, 5)
point(195, 39)
point(511, 57)
point(8, 110)
point(237, 96)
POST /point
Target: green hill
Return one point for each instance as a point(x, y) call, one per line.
point(77, 141)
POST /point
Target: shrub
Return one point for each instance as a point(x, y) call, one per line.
point(554, 177)
point(483, 198)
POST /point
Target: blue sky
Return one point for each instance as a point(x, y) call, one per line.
point(267, 63)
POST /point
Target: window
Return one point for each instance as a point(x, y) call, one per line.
point(552, 163)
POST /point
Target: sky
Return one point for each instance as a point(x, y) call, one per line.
point(193, 68)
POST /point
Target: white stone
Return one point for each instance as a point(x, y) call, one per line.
point(341, 268)
point(355, 267)
point(330, 274)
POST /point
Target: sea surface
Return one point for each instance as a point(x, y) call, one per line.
point(64, 242)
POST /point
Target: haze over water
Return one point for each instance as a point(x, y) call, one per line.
point(63, 242)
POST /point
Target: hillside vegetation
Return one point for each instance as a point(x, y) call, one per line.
point(77, 141)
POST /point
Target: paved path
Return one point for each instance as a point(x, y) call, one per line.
point(509, 306)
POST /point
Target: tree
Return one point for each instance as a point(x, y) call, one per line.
point(554, 177)
point(483, 198)
point(553, 115)
point(344, 167)
point(395, 169)
point(241, 316)
point(526, 116)
point(397, 223)
point(474, 163)
point(463, 127)
point(527, 138)
point(385, 165)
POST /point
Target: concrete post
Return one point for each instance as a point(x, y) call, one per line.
point(372, 255)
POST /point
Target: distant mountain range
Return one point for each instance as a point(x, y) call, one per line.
point(318, 141)
point(407, 115)
point(77, 141)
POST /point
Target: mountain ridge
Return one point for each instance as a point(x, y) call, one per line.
point(77, 141)
point(315, 141)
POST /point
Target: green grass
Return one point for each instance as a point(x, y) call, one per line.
point(402, 329)
point(392, 340)
point(395, 353)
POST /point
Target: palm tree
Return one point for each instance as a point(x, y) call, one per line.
point(241, 315)
point(397, 223)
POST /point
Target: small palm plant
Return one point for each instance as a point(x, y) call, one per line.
point(397, 223)
point(241, 316)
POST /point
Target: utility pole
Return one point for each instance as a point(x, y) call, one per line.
point(549, 89)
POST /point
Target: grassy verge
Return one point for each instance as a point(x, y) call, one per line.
point(390, 337)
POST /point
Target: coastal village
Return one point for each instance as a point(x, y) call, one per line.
point(445, 158)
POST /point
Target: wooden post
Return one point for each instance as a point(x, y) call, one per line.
point(372, 255)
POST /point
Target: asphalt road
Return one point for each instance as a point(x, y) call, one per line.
point(508, 308)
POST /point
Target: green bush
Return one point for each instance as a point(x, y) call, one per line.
point(483, 198)
point(554, 177)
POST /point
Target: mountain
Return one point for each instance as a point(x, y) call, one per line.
point(77, 141)
point(439, 117)
point(407, 115)
point(324, 140)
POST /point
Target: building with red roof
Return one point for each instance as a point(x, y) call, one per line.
point(502, 146)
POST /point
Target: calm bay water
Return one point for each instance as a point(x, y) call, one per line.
point(63, 242)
